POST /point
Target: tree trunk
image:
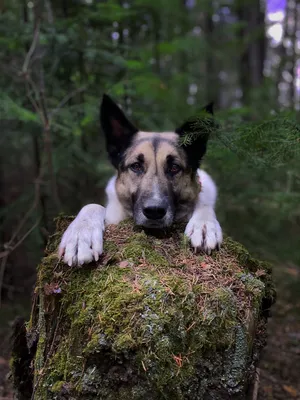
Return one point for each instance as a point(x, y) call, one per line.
point(151, 320)
point(212, 79)
point(254, 46)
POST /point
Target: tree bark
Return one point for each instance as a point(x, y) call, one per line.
point(254, 46)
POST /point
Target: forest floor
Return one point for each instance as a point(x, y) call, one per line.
point(280, 364)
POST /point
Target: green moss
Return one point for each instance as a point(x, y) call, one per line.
point(139, 247)
point(40, 352)
point(57, 386)
point(237, 364)
point(159, 325)
point(238, 250)
point(110, 247)
point(252, 284)
point(45, 270)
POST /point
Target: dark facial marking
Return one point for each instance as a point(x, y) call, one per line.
point(138, 166)
point(196, 149)
point(155, 142)
point(173, 167)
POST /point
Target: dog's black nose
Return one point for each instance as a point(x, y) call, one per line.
point(154, 212)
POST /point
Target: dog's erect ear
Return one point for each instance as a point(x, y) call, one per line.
point(118, 130)
point(194, 135)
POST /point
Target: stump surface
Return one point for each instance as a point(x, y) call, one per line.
point(150, 320)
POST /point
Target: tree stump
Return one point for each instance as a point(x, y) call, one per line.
point(150, 320)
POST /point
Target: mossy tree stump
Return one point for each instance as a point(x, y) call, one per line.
point(150, 320)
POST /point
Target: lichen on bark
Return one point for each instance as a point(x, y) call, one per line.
point(150, 320)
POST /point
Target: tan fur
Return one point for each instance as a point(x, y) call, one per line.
point(183, 187)
point(150, 135)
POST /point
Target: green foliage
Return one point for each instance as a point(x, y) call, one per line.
point(14, 111)
point(255, 164)
point(201, 125)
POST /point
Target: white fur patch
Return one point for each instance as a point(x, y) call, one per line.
point(82, 242)
point(203, 229)
point(115, 212)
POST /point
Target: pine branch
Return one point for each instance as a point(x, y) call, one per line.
point(200, 125)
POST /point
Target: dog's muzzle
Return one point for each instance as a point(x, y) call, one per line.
point(154, 214)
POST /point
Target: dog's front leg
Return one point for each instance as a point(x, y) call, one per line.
point(203, 228)
point(82, 242)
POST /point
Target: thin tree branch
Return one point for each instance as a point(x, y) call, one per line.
point(11, 249)
point(10, 246)
point(36, 95)
point(36, 36)
point(48, 140)
point(31, 99)
point(42, 100)
point(30, 211)
point(66, 99)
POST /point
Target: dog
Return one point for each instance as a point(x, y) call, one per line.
point(158, 182)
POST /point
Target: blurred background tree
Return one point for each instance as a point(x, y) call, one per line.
point(162, 60)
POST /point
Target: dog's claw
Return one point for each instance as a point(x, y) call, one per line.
point(61, 252)
point(96, 256)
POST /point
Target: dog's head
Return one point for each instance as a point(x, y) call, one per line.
point(156, 175)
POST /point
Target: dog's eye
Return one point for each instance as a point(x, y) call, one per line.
point(137, 167)
point(173, 169)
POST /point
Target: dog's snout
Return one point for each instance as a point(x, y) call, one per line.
point(155, 212)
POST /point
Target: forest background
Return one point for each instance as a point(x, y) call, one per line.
point(162, 60)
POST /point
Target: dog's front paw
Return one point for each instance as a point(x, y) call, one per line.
point(82, 242)
point(204, 235)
